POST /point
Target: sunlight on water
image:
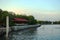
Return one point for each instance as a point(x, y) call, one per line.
point(45, 32)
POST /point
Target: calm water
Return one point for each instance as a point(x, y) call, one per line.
point(45, 32)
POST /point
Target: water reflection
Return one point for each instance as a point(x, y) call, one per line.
point(28, 34)
point(48, 32)
point(45, 32)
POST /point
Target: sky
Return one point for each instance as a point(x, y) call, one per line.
point(48, 10)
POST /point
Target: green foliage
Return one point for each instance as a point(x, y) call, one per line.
point(44, 22)
point(3, 14)
point(56, 22)
point(30, 18)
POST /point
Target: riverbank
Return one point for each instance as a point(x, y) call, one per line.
point(3, 29)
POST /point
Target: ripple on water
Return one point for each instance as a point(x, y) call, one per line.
point(45, 32)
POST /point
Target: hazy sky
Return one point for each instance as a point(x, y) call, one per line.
point(40, 9)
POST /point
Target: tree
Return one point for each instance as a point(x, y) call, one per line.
point(32, 20)
point(0, 14)
point(12, 15)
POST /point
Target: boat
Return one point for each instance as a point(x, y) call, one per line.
point(19, 27)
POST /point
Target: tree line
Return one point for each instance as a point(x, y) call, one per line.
point(12, 15)
point(56, 22)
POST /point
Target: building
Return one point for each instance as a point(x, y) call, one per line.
point(20, 21)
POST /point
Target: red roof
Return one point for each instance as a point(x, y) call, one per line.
point(20, 19)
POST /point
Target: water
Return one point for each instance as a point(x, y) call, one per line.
point(45, 32)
